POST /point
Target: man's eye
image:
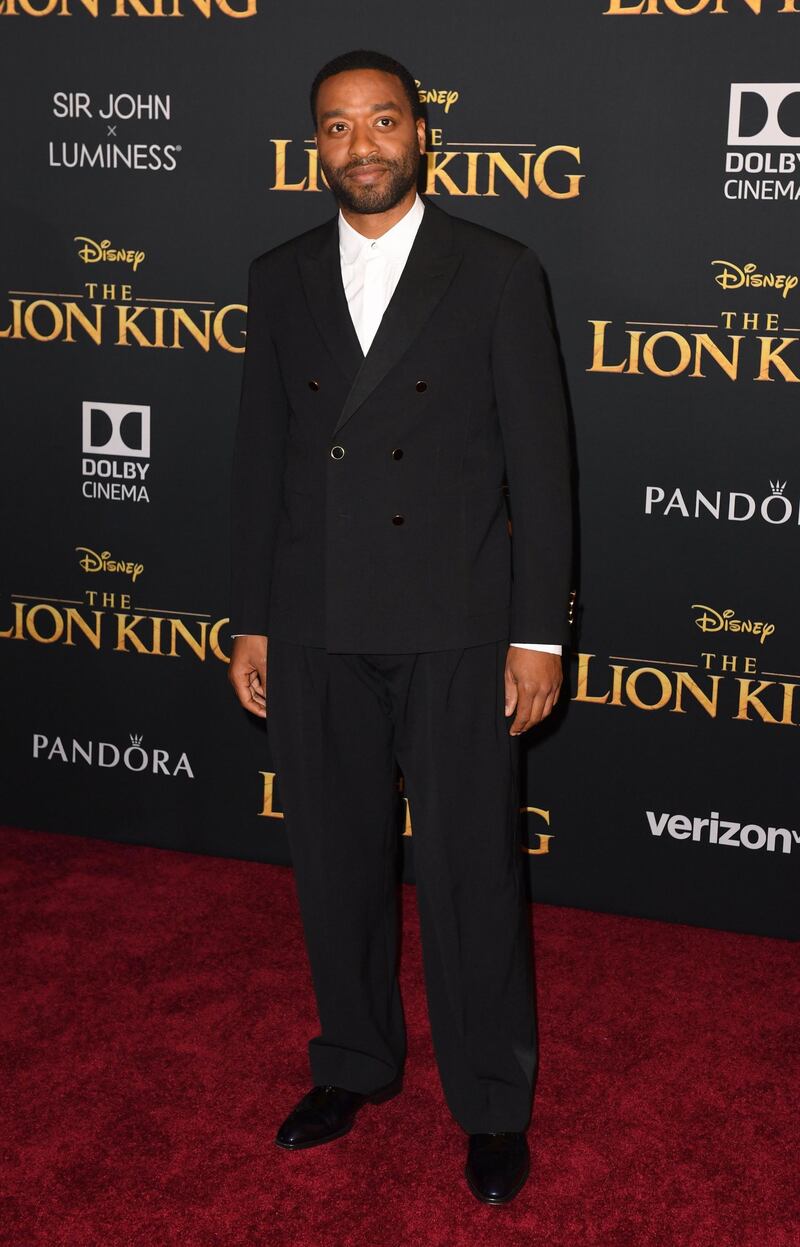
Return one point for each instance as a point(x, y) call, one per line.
point(389, 119)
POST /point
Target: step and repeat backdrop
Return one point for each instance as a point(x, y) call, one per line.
point(649, 152)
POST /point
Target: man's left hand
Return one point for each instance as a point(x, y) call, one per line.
point(533, 680)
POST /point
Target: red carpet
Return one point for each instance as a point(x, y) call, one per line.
point(157, 1006)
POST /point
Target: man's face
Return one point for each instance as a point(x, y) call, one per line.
point(369, 144)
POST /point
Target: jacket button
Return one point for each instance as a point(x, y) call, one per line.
point(337, 452)
point(397, 454)
point(313, 385)
point(421, 385)
point(398, 519)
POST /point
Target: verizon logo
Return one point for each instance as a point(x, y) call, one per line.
point(716, 830)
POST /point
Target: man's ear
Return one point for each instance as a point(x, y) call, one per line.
point(421, 135)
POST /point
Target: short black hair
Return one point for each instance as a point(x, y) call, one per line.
point(362, 58)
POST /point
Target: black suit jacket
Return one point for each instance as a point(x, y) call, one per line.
point(369, 493)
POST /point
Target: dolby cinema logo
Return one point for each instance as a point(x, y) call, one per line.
point(763, 157)
point(116, 451)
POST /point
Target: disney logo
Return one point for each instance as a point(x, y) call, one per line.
point(725, 621)
point(429, 95)
point(103, 562)
point(733, 277)
point(93, 251)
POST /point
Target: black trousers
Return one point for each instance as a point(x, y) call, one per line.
point(337, 724)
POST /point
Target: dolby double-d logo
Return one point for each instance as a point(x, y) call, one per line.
point(116, 443)
point(764, 114)
point(116, 429)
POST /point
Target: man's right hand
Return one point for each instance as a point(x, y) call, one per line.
point(248, 673)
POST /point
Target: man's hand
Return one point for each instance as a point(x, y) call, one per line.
point(533, 680)
point(248, 673)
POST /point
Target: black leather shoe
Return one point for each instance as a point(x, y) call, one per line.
point(497, 1165)
point(326, 1113)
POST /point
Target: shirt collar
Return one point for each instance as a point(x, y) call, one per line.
point(395, 243)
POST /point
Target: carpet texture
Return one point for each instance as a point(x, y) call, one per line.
point(156, 1007)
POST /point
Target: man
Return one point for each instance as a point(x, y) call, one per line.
point(400, 375)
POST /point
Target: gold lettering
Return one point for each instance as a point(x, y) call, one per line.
point(769, 356)
point(751, 697)
point(685, 681)
point(17, 629)
point(728, 366)
point(618, 8)
point(127, 317)
point(472, 173)
point(93, 331)
point(582, 684)
point(684, 8)
point(140, 11)
point(248, 11)
point(158, 317)
point(314, 172)
point(684, 353)
point(27, 6)
point(280, 183)
point(521, 182)
point(218, 327)
point(125, 632)
point(156, 621)
point(267, 810)
point(633, 693)
point(13, 8)
point(74, 617)
point(213, 640)
point(201, 336)
point(14, 330)
point(676, 6)
point(179, 628)
point(540, 174)
point(55, 312)
point(788, 699)
point(598, 344)
point(436, 171)
point(544, 839)
point(44, 608)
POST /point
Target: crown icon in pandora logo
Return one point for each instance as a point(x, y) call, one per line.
point(136, 740)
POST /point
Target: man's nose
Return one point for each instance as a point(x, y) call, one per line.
point(362, 142)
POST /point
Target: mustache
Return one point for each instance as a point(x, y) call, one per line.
point(367, 164)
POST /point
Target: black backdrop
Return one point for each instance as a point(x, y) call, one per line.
point(616, 139)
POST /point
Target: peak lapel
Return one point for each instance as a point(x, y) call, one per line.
point(429, 269)
point(321, 274)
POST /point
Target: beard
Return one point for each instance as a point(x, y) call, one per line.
point(400, 176)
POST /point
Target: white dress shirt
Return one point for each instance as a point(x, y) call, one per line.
point(371, 269)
